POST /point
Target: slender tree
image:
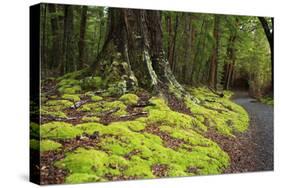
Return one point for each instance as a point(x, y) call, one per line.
point(214, 58)
point(55, 57)
point(68, 64)
point(81, 43)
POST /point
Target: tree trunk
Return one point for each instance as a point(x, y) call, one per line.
point(81, 43)
point(67, 64)
point(269, 36)
point(173, 63)
point(214, 58)
point(55, 58)
point(231, 57)
point(44, 48)
point(133, 51)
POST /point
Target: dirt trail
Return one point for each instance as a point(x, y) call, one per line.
point(256, 144)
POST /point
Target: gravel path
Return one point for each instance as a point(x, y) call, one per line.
point(259, 137)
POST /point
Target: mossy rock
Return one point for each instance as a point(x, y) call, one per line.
point(59, 130)
point(129, 99)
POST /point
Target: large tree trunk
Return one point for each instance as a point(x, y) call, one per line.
point(214, 58)
point(269, 36)
point(133, 51)
point(81, 43)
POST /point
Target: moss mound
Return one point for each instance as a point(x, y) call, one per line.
point(129, 99)
point(59, 130)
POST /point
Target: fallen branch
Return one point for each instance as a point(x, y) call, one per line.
point(79, 103)
point(108, 112)
point(134, 114)
point(143, 104)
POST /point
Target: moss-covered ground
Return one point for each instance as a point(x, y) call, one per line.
point(137, 141)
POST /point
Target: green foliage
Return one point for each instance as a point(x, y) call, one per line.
point(129, 99)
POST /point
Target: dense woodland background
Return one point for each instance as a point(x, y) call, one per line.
point(221, 51)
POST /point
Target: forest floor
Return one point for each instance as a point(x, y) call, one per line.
point(86, 136)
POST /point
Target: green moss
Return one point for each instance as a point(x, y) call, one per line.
point(220, 113)
point(59, 130)
point(68, 82)
point(74, 75)
point(103, 106)
point(96, 98)
point(51, 111)
point(129, 99)
point(82, 177)
point(69, 90)
point(91, 82)
point(55, 108)
point(118, 139)
point(161, 113)
point(49, 145)
point(71, 97)
point(91, 119)
point(59, 104)
point(69, 86)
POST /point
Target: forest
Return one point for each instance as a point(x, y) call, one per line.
point(132, 94)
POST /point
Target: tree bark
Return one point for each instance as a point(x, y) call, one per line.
point(68, 64)
point(269, 36)
point(81, 43)
point(173, 63)
point(55, 58)
point(44, 61)
point(214, 58)
point(133, 51)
